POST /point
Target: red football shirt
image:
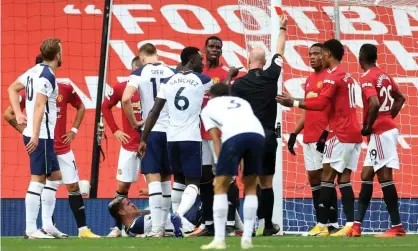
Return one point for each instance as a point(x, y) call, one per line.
point(315, 121)
point(339, 87)
point(218, 75)
point(66, 95)
point(375, 82)
point(113, 97)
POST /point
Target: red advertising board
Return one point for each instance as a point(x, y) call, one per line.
point(173, 24)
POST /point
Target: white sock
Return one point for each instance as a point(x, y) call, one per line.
point(176, 194)
point(32, 204)
point(166, 201)
point(238, 222)
point(188, 199)
point(48, 203)
point(250, 212)
point(220, 213)
point(155, 200)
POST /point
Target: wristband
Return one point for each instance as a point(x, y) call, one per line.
point(296, 103)
point(283, 28)
point(74, 130)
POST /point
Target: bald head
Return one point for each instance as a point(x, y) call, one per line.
point(257, 58)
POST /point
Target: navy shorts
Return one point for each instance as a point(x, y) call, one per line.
point(156, 156)
point(247, 146)
point(43, 161)
point(186, 158)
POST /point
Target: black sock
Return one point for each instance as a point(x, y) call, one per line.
point(333, 210)
point(267, 203)
point(325, 199)
point(77, 206)
point(233, 196)
point(347, 199)
point(364, 198)
point(118, 222)
point(316, 192)
point(390, 195)
point(206, 196)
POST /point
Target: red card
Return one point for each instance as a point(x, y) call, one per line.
point(279, 10)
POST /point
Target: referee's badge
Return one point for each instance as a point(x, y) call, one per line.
point(279, 61)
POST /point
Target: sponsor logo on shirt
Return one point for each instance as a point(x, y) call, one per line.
point(329, 81)
point(311, 95)
point(367, 85)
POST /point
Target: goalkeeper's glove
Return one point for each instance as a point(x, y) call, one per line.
point(320, 144)
point(291, 143)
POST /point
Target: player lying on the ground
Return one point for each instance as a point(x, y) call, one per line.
point(146, 81)
point(139, 222)
point(66, 160)
point(183, 93)
point(382, 102)
point(314, 124)
point(128, 163)
point(342, 149)
point(242, 138)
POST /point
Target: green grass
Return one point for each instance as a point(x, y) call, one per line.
point(285, 243)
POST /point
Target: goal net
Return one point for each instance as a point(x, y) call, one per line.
point(391, 25)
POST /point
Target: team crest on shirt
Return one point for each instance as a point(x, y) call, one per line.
point(60, 98)
point(216, 80)
point(311, 95)
point(319, 84)
point(120, 171)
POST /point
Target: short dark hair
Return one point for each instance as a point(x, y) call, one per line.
point(368, 53)
point(335, 47)
point(219, 90)
point(212, 38)
point(187, 53)
point(147, 49)
point(39, 59)
point(114, 207)
point(317, 45)
point(50, 47)
point(136, 61)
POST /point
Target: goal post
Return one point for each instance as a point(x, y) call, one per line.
point(389, 24)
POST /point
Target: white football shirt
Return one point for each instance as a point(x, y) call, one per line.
point(184, 95)
point(40, 79)
point(147, 80)
point(232, 115)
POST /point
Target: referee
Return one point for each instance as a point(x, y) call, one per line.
point(259, 88)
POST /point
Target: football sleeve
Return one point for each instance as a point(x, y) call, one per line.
point(329, 89)
point(112, 98)
point(395, 86)
point(24, 78)
point(368, 87)
point(162, 92)
point(74, 99)
point(275, 68)
point(206, 119)
point(46, 87)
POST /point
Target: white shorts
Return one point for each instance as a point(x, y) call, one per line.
point(68, 168)
point(207, 156)
point(381, 150)
point(341, 155)
point(128, 166)
point(313, 158)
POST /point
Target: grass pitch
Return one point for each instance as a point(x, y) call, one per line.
point(285, 243)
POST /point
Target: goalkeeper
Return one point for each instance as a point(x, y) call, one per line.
point(138, 222)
